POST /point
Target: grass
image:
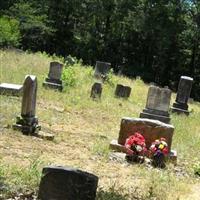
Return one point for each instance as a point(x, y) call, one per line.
point(83, 129)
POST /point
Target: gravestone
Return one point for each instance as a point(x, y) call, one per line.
point(157, 105)
point(122, 91)
point(96, 90)
point(28, 122)
point(183, 95)
point(101, 70)
point(10, 89)
point(54, 77)
point(150, 129)
point(59, 183)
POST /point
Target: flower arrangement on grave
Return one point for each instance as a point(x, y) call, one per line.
point(136, 147)
point(159, 151)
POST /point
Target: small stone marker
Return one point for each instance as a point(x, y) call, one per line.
point(28, 122)
point(10, 89)
point(183, 95)
point(54, 77)
point(150, 129)
point(157, 105)
point(122, 91)
point(96, 90)
point(59, 183)
point(102, 69)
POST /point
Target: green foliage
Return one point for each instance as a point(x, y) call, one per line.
point(9, 32)
point(196, 168)
point(69, 77)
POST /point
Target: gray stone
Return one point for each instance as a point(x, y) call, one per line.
point(96, 90)
point(54, 77)
point(11, 89)
point(157, 105)
point(150, 129)
point(101, 70)
point(59, 183)
point(183, 95)
point(28, 122)
point(122, 91)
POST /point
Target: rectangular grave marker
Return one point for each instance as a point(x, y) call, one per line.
point(54, 77)
point(157, 105)
point(10, 89)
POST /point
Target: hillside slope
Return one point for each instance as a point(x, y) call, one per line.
point(83, 129)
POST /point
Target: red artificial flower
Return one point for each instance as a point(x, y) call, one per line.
point(138, 142)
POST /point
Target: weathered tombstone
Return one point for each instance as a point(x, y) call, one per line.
point(54, 77)
point(96, 90)
point(183, 95)
point(102, 69)
point(59, 183)
point(150, 129)
point(10, 89)
point(28, 122)
point(122, 91)
point(157, 105)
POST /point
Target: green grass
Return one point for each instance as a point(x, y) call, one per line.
point(83, 129)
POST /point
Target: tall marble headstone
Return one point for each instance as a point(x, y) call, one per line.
point(54, 77)
point(28, 122)
point(183, 95)
point(59, 183)
point(157, 105)
point(102, 69)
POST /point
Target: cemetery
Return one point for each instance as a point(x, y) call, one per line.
point(143, 145)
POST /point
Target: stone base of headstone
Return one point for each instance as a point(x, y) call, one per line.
point(11, 89)
point(180, 108)
point(53, 84)
point(28, 126)
point(61, 183)
point(122, 91)
point(115, 146)
point(96, 90)
point(156, 115)
point(46, 136)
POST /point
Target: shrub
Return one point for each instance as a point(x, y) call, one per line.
point(9, 32)
point(68, 77)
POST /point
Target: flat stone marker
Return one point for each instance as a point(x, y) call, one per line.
point(54, 77)
point(150, 129)
point(122, 91)
point(102, 69)
point(28, 122)
point(10, 89)
point(157, 105)
point(59, 183)
point(183, 95)
point(96, 90)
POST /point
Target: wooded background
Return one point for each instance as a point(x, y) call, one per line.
point(158, 40)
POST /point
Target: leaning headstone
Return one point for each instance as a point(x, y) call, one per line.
point(28, 122)
point(59, 183)
point(150, 129)
point(10, 89)
point(122, 91)
point(54, 77)
point(183, 95)
point(157, 105)
point(102, 69)
point(96, 90)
